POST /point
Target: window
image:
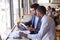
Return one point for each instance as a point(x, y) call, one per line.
point(43, 1)
point(4, 17)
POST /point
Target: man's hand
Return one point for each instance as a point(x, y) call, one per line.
point(22, 34)
point(18, 23)
point(31, 28)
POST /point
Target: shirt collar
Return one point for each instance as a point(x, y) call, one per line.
point(43, 17)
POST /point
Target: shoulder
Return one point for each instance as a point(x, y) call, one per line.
point(45, 18)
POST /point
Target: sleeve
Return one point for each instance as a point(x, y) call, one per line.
point(28, 23)
point(44, 29)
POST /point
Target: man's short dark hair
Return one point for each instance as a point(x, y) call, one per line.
point(49, 7)
point(53, 9)
point(35, 6)
point(42, 9)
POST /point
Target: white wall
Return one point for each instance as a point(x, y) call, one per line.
point(49, 4)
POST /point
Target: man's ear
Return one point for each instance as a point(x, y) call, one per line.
point(40, 14)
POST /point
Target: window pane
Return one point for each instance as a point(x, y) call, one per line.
point(43, 1)
point(4, 17)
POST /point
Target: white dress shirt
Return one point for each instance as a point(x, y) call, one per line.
point(47, 31)
point(36, 21)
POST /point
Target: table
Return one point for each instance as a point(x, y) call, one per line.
point(17, 31)
point(19, 39)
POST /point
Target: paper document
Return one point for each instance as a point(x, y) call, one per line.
point(14, 34)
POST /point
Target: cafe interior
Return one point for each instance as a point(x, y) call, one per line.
point(13, 11)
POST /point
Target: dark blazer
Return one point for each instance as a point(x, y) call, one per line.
point(32, 22)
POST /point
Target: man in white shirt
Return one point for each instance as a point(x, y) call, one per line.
point(47, 30)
